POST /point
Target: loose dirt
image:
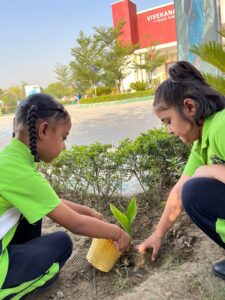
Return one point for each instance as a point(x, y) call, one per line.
point(182, 270)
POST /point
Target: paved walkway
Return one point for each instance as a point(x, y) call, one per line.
point(105, 122)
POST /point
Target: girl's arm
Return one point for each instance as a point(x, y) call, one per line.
point(172, 209)
point(170, 214)
point(83, 210)
point(211, 171)
point(89, 226)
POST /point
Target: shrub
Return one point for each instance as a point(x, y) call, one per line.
point(155, 158)
point(94, 169)
point(8, 109)
point(139, 85)
point(107, 98)
point(100, 90)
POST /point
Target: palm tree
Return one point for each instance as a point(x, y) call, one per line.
point(214, 54)
point(150, 60)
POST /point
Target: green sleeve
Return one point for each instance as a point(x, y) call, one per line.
point(33, 196)
point(217, 142)
point(194, 162)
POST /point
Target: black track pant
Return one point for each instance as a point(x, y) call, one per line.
point(31, 255)
point(204, 201)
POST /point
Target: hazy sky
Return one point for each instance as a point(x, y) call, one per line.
point(35, 35)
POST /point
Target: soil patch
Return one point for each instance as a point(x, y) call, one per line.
point(182, 271)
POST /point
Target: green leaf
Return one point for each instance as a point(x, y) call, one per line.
point(216, 81)
point(211, 52)
point(131, 210)
point(121, 218)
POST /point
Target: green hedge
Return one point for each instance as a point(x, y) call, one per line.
point(107, 98)
point(155, 158)
point(7, 110)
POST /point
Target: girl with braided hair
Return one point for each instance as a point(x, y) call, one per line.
point(29, 261)
point(194, 112)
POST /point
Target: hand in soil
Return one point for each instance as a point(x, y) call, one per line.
point(152, 242)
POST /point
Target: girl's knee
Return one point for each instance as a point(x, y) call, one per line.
point(61, 242)
point(193, 192)
point(66, 247)
point(65, 241)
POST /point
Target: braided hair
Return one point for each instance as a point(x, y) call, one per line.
point(185, 81)
point(31, 122)
point(38, 106)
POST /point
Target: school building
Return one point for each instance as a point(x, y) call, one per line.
point(153, 26)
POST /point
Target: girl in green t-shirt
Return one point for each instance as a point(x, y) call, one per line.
point(193, 111)
point(29, 261)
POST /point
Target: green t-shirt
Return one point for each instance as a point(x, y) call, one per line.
point(211, 148)
point(23, 192)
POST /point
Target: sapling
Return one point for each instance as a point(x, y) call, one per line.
point(127, 219)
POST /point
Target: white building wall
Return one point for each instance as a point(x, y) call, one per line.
point(222, 11)
point(168, 49)
point(159, 74)
point(130, 78)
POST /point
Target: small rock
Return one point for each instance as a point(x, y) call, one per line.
point(181, 240)
point(59, 294)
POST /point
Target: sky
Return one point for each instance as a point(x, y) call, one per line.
point(35, 35)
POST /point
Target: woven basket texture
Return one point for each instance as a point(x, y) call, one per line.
point(103, 254)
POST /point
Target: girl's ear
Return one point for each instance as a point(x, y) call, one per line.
point(42, 129)
point(190, 107)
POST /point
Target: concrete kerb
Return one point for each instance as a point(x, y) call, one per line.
point(132, 100)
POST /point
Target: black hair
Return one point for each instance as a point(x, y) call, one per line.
point(185, 81)
point(37, 106)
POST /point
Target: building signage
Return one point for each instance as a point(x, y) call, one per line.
point(162, 16)
point(153, 26)
point(157, 25)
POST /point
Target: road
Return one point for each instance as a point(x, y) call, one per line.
point(105, 123)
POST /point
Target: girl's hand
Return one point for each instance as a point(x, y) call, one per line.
point(123, 243)
point(96, 214)
point(154, 242)
point(84, 210)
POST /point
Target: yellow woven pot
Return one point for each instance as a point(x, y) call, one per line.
point(103, 254)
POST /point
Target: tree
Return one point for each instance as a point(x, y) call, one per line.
point(116, 62)
point(64, 74)
point(115, 55)
point(15, 92)
point(58, 90)
point(22, 88)
point(214, 54)
point(12, 95)
point(1, 93)
point(101, 59)
point(85, 56)
point(149, 61)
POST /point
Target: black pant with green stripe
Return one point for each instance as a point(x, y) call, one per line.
point(204, 201)
point(31, 255)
